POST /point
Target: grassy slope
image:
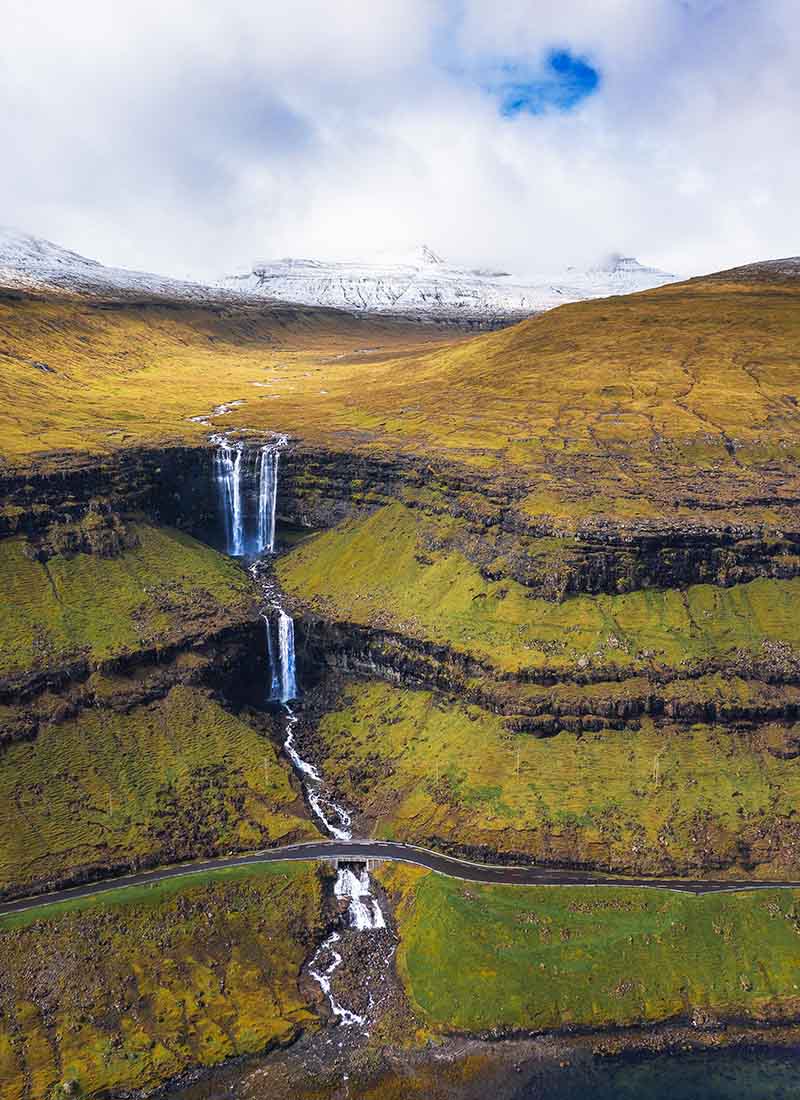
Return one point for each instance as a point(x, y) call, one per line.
point(395, 569)
point(135, 374)
point(607, 378)
point(123, 781)
point(625, 399)
point(175, 778)
point(168, 586)
point(138, 986)
point(657, 799)
point(480, 957)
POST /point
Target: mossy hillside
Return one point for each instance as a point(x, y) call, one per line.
point(501, 957)
point(176, 778)
point(658, 799)
point(134, 374)
point(397, 569)
point(129, 989)
point(559, 544)
point(682, 396)
point(168, 587)
point(687, 367)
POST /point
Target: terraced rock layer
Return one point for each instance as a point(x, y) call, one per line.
point(126, 675)
point(652, 732)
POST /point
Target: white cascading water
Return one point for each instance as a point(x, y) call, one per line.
point(267, 497)
point(234, 472)
point(322, 976)
point(228, 475)
point(274, 667)
point(286, 644)
point(335, 819)
point(364, 912)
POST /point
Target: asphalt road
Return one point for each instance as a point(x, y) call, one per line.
point(405, 853)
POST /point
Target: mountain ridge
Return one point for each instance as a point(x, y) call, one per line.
point(420, 285)
point(424, 284)
point(31, 263)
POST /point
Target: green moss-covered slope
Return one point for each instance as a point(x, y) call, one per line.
point(83, 605)
point(656, 799)
point(398, 570)
point(131, 989)
point(171, 779)
point(484, 957)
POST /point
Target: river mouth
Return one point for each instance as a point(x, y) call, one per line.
point(527, 1069)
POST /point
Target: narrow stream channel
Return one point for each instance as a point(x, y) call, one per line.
point(243, 473)
point(364, 912)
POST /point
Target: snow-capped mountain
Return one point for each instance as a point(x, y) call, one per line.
point(424, 284)
point(31, 263)
point(421, 285)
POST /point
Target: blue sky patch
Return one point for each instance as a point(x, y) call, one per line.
point(565, 82)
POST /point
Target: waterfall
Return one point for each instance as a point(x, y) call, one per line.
point(228, 474)
point(267, 497)
point(241, 476)
point(274, 668)
point(364, 911)
point(352, 884)
point(323, 978)
point(364, 915)
point(334, 818)
point(286, 644)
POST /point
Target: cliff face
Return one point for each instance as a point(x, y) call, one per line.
point(543, 701)
point(172, 485)
point(557, 627)
point(127, 679)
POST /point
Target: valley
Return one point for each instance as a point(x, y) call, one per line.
point(281, 579)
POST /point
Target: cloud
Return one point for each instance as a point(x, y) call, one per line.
point(195, 136)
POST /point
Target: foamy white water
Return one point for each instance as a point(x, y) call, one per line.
point(239, 470)
point(364, 914)
point(269, 457)
point(364, 911)
point(228, 473)
point(323, 978)
point(286, 644)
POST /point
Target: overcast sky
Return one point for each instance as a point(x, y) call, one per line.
point(185, 136)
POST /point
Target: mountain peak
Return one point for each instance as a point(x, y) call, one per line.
point(420, 256)
point(619, 266)
point(18, 249)
point(428, 256)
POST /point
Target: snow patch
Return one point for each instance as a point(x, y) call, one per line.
point(424, 284)
point(421, 284)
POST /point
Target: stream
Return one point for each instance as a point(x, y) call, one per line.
point(244, 474)
point(352, 884)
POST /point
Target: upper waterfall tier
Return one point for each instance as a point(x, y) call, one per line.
point(247, 488)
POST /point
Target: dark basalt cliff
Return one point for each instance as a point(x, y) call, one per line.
point(546, 701)
point(90, 506)
point(228, 660)
point(319, 488)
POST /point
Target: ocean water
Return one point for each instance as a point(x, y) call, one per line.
point(757, 1074)
point(740, 1075)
